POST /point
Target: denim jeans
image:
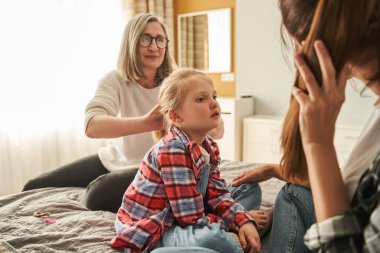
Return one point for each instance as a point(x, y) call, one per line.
point(212, 238)
point(248, 195)
point(209, 237)
point(183, 250)
point(293, 215)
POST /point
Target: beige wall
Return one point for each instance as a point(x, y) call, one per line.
point(225, 89)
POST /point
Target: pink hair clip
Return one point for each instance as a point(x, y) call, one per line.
point(47, 219)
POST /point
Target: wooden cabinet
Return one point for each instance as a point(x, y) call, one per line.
point(261, 139)
point(233, 111)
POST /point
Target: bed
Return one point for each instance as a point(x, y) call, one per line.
point(72, 227)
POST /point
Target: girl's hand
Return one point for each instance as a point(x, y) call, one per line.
point(261, 218)
point(154, 118)
point(249, 238)
point(320, 108)
point(260, 174)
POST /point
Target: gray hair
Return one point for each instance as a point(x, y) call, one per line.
point(129, 64)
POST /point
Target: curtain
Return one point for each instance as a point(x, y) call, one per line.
point(187, 43)
point(161, 8)
point(53, 52)
point(194, 42)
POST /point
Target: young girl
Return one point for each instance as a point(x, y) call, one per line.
point(177, 198)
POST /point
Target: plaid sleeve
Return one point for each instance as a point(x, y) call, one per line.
point(221, 201)
point(344, 233)
point(180, 184)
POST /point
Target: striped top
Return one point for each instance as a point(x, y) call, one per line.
point(164, 192)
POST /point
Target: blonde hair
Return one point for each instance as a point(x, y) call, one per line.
point(172, 91)
point(129, 64)
point(350, 29)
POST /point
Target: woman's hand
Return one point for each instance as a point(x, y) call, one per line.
point(260, 174)
point(107, 126)
point(318, 113)
point(320, 108)
point(154, 118)
point(249, 238)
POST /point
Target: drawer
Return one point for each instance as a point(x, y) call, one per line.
point(262, 132)
point(345, 139)
point(262, 153)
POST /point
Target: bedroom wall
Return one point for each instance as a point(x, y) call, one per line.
point(224, 89)
point(261, 70)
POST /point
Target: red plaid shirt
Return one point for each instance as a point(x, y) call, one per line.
point(164, 192)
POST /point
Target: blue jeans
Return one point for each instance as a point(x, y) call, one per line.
point(183, 250)
point(293, 215)
point(247, 195)
point(210, 239)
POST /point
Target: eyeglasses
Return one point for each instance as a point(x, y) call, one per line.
point(146, 40)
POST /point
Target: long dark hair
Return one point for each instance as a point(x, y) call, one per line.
point(349, 28)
